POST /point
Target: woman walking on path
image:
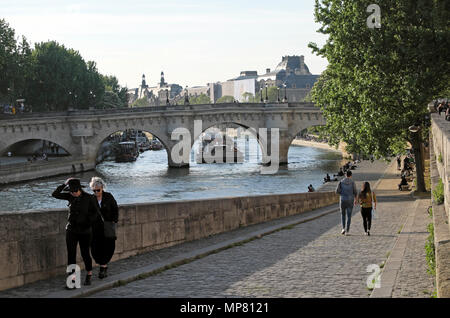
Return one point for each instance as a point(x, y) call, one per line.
point(104, 238)
point(83, 212)
point(366, 197)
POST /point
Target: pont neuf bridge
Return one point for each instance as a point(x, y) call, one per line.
point(81, 132)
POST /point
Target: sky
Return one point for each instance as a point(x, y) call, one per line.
point(194, 42)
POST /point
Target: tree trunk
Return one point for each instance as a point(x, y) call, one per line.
point(418, 155)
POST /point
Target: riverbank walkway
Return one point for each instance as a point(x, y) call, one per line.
point(298, 256)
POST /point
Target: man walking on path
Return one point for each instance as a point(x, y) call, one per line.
point(346, 188)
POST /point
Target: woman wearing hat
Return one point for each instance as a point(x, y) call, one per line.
point(104, 243)
point(83, 211)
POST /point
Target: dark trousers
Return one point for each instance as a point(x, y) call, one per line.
point(367, 218)
point(72, 240)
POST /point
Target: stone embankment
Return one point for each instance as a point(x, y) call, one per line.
point(321, 145)
point(32, 244)
point(440, 170)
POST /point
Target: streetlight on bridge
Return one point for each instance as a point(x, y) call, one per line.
point(267, 98)
point(285, 95)
point(186, 97)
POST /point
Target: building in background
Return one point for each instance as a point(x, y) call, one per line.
point(291, 75)
point(291, 72)
point(155, 95)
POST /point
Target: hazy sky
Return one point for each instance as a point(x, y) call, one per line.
point(193, 41)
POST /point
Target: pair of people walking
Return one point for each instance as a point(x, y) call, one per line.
point(349, 197)
point(89, 219)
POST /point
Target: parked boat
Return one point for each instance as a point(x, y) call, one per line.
point(156, 145)
point(126, 151)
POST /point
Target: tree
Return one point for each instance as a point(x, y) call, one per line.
point(380, 80)
point(272, 95)
point(14, 64)
point(62, 79)
point(141, 102)
point(112, 85)
point(248, 97)
point(200, 99)
point(225, 99)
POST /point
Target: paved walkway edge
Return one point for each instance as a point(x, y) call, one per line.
point(146, 271)
point(441, 239)
point(394, 262)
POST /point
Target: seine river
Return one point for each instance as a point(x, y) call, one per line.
point(149, 179)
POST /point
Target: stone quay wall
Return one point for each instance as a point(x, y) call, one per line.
point(32, 243)
point(11, 173)
point(440, 169)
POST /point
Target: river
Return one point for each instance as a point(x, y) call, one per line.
point(149, 179)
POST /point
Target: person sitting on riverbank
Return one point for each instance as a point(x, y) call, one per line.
point(340, 173)
point(311, 188)
point(403, 182)
point(328, 179)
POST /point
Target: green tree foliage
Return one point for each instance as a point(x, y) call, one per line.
point(51, 77)
point(380, 80)
point(225, 99)
point(200, 99)
point(112, 85)
point(14, 63)
point(248, 97)
point(272, 95)
point(141, 102)
point(63, 79)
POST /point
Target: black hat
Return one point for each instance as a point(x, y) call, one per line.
point(73, 185)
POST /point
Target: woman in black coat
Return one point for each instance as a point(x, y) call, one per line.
point(102, 247)
point(83, 213)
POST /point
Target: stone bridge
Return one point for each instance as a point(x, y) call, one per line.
point(81, 133)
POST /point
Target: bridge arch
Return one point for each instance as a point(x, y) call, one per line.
point(105, 133)
point(58, 140)
point(253, 130)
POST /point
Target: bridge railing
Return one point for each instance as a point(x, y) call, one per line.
point(81, 112)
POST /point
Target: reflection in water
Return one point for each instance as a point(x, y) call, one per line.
point(149, 179)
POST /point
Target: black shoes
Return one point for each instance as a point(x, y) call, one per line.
point(88, 279)
point(103, 272)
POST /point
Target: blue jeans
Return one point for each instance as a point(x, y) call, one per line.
point(346, 213)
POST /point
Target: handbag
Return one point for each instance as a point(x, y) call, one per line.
point(109, 229)
point(374, 211)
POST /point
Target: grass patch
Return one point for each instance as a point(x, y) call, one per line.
point(400, 230)
point(440, 158)
point(430, 251)
point(427, 174)
point(438, 192)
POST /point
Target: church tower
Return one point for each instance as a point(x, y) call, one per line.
point(162, 83)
